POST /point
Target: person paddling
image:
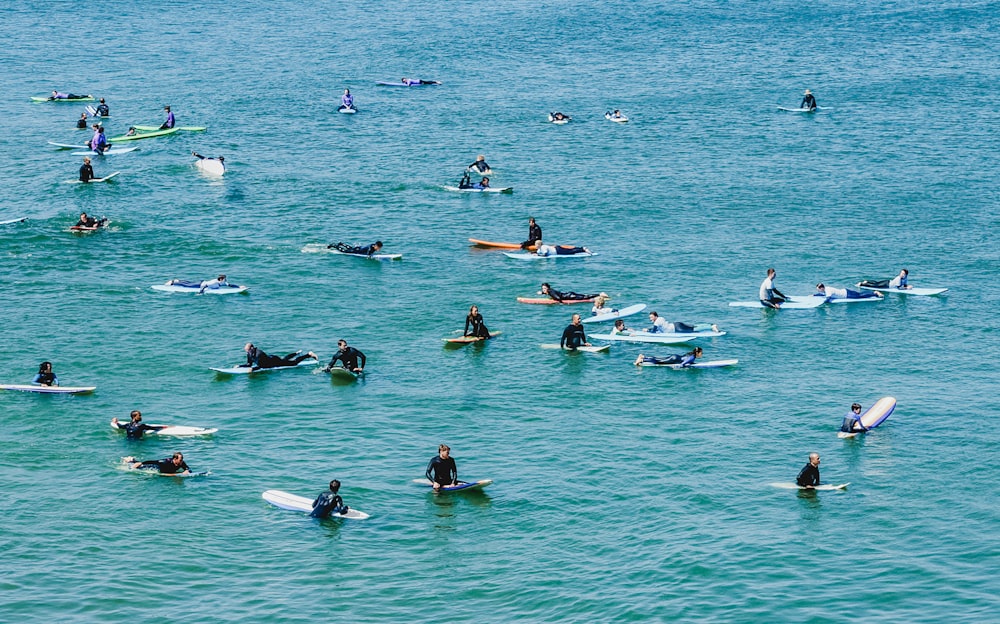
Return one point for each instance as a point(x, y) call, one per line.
point(174, 464)
point(684, 360)
point(353, 360)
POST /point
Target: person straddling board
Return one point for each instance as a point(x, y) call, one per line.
point(480, 166)
point(81, 123)
point(59, 95)
point(441, 470)
point(559, 250)
point(99, 142)
point(169, 123)
point(174, 464)
point(353, 359)
point(809, 475)
point(357, 250)
point(534, 234)
point(474, 325)
point(569, 295)
point(663, 326)
point(852, 420)
point(346, 100)
point(221, 159)
point(135, 427)
point(899, 282)
point(89, 222)
point(86, 170)
point(844, 293)
point(574, 336)
point(212, 284)
point(257, 359)
point(771, 297)
point(102, 109)
point(329, 502)
point(45, 376)
point(808, 101)
point(684, 360)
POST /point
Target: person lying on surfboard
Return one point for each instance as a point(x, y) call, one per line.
point(480, 166)
point(135, 427)
point(899, 282)
point(569, 295)
point(441, 470)
point(353, 359)
point(174, 464)
point(808, 102)
point(559, 250)
point(364, 250)
point(809, 475)
point(466, 181)
point(574, 336)
point(482, 184)
point(257, 359)
point(416, 81)
point(852, 420)
point(534, 234)
point(685, 360)
point(663, 326)
point(213, 284)
point(45, 376)
point(845, 293)
point(600, 305)
point(329, 502)
point(474, 325)
point(556, 116)
point(617, 114)
point(58, 95)
point(90, 222)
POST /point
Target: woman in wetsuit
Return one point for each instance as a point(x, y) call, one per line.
point(45, 376)
point(474, 325)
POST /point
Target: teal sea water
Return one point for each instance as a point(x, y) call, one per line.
point(620, 494)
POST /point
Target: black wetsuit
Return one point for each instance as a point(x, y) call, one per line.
point(358, 250)
point(465, 182)
point(875, 283)
point(808, 102)
point(573, 336)
point(165, 466)
point(349, 357)
point(569, 295)
point(134, 430)
point(91, 222)
point(86, 173)
point(474, 326)
point(566, 250)
point(442, 471)
point(81, 123)
point(808, 476)
point(46, 379)
point(258, 359)
point(480, 166)
point(534, 234)
point(103, 110)
point(327, 503)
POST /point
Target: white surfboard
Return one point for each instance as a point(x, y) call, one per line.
point(293, 502)
point(531, 256)
point(709, 364)
point(504, 189)
point(347, 110)
point(49, 389)
point(69, 145)
point(13, 221)
point(923, 292)
point(117, 149)
point(861, 300)
point(668, 338)
point(174, 430)
point(823, 487)
point(246, 370)
point(610, 117)
point(564, 120)
point(797, 110)
point(224, 290)
point(211, 166)
point(584, 349)
point(321, 248)
point(462, 486)
point(793, 303)
point(617, 314)
point(104, 179)
point(341, 372)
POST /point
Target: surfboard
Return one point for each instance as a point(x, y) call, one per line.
point(321, 248)
point(549, 301)
point(347, 111)
point(212, 166)
point(559, 122)
point(175, 430)
point(583, 349)
point(49, 389)
point(861, 300)
point(464, 486)
point(246, 370)
point(610, 117)
point(534, 256)
point(143, 135)
point(293, 502)
point(383, 83)
point(87, 98)
point(175, 128)
point(126, 464)
point(506, 189)
point(924, 292)
point(709, 364)
point(225, 290)
point(668, 338)
point(793, 303)
point(469, 339)
point(873, 416)
point(797, 110)
point(617, 314)
point(492, 245)
point(111, 152)
point(340, 372)
point(68, 145)
point(104, 179)
point(13, 221)
point(823, 487)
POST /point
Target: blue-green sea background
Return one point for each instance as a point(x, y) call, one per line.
point(621, 494)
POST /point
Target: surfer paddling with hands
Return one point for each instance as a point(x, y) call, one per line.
point(569, 295)
point(329, 502)
point(357, 250)
point(809, 475)
point(212, 284)
point(353, 359)
point(174, 464)
point(574, 336)
point(684, 360)
point(257, 359)
point(442, 471)
point(899, 282)
point(663, 326)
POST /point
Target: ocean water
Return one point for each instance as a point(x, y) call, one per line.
point(620, 494)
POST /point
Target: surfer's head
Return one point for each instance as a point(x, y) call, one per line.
point(136, 415)
point(334, 486)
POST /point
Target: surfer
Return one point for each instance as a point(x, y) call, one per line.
point(534, 234)
point(86, 171)
point(480, 166)
point(844, 293)
point(852, 420)
point(685, 360)
point(617, 114)
point(89, 222)
point(169, 123)
point(474, 325)
point(808, 102)
point(346, 100)
point(213, 284)
point(416, 81)
point(58, 95)
point(174, 464)
point(357, 250)
point(135, 428)
point(809, 475)
point(559, 250)
point(556, 116)
point(103, 110)
point(620, 328)
point(221, 159)
point(257, 359)
point(899, 282)
point(81, 123)
point(441, 470)
point(574, 336)
point(482, 184)
point(353, 359)
point(45, 376)
point(329, 502)
point(599, 305)
point(98, 142)
point(569, 295)
point(770, 297)
point(663, 326)
point(466, 181)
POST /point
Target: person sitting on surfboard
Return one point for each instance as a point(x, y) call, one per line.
point(809, 475)
point(559, 250)
point(770, 297)
point(534, 234)
point(441, 470)
point(257, 359)
point(45, 376)
point(346, 100)
point(174, 464)
point(663, 326)
point(135, 428)
point(103, 110)
point(90, 222)
point(899, 282)
point(169, 123)
point(569, 295)
point(86, 170)
point(349, 356)
point(474, 325)
point(99, 142)
point(844, 293)
point(81, 123)
point(852, 421)
point(685, 360)
point(58, 95)
point(574, 336)
point(480, 166)
point(415, 81)
point(365, 250)
point(808, 102)
point(329, 502)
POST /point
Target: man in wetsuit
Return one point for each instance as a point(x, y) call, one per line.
point(442, 469)
point(349, 356)
point(103, 110)
point(574, 336)
point(169, 123)
point(482, 184)
point(852, 420)
point(684, 360)
point(86, 170)
point(171, 465)
point(90, 222)
point(770, 297)
point(357, 250)
point(257, 359)
point(81, 123)
point(329, 502)
point(569, 295)
point(135, 428)
point(534, 234)
point(45, 376)
point(844, 293)
point(480, 166)
point(808, 102)
point(809, 475)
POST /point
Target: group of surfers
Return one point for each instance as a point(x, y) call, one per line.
point(99, 143)
point(771, 297)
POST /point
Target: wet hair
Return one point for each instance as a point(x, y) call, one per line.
point(769, 271)
point(654, 313)
point(820, 286)
point(44, 366)
point(136, 413)
point(378, 243)
point(855, 406)
point(697, 351)
point(334, 485)
point(443, 447)
point(178, 455)
point(619, 322)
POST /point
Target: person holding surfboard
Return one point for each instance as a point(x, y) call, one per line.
point(685, 360)
point(257, 359)
point(809, 475)
point(844, 293)
point(534, 234)
point(169, 123)
point(329, 502)
point(808, 101)
point(441, 470)
point(353, 359)
point(852, 421)
point(474, 325)
point(135, 427)
point(174, 464)
point(771, 297)
point(45, 376)
point(574, 336)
